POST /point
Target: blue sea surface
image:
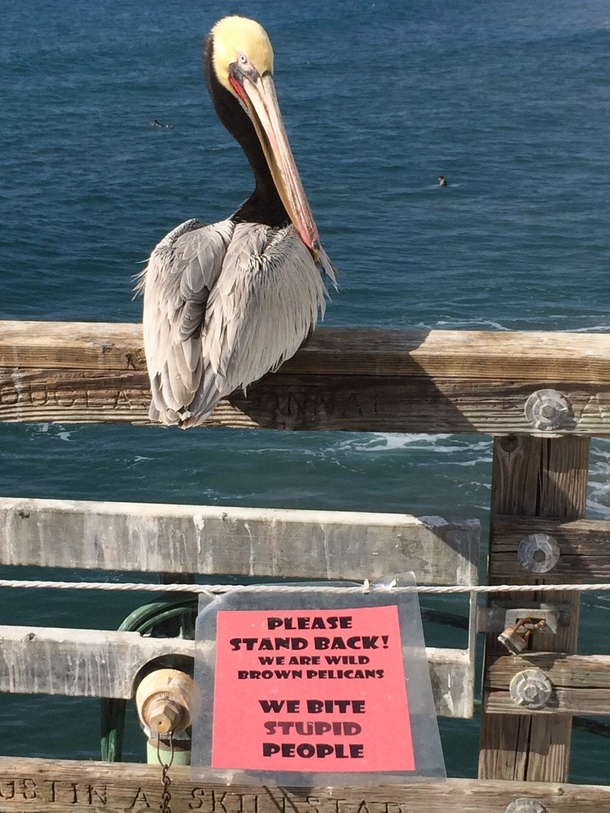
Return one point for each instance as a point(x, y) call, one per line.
point(509, 101)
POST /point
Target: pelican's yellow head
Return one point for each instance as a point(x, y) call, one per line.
point(242, 59)
point(243, 43)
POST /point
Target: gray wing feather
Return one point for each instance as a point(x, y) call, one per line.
point(223, 305)
point(262, 308)
point(176, 283)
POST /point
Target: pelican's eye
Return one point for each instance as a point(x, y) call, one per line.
point(243, 59)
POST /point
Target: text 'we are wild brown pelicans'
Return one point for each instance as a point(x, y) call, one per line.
point(226, 303)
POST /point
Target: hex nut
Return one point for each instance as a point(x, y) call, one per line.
point(530, 688)
point(547, 410)
point(538, 553)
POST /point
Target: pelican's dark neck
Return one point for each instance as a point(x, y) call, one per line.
point(264, 204)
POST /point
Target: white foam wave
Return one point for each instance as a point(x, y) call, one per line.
point(600, 510)
point(53, 430)
point(390, 442)
point(598, 500)
point(592, 329)
point(467, 324)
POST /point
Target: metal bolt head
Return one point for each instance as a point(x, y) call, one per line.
point(547, 410)
point(538, 553)
point(525, 805)
point(530, 688)
point(163, 714)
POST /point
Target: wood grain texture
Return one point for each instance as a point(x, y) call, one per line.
point(565, 702)
point(545, 478)
point(564, 671)
point(581, 683)
point(236, 541)
point(305, 402)
point(352, 380)
point(533, 355)
point(102, 663)
point(40, 785)
point(79, 662)
point(584, 546)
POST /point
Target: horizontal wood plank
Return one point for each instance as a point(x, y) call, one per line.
point(565, 671)
point(40, 785)
point(354, 380)
point(563, 701)
point(581, 683)
point(78, 662)
point(569, 357)
point(101, 663)
point(237, 541)
point(584, 548)
point(308, 402)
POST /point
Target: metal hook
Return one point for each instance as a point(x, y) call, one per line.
point(172, 750)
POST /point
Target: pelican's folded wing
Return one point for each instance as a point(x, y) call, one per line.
point(264, 305)
point(176, 283)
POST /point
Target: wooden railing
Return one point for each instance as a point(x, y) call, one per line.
point(207, 540)
point(352, 380)
point(541, 395)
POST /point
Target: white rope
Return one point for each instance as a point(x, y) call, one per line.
point(225, 588)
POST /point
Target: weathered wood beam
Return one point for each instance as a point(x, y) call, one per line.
point(529, 355)
point(583, 544)
point(452, 677)
point(41, 785)
point(355, 380)
point(564, 701)
point(102, 663)
point(238, 541)
point(545, 478)
point(581, 683)
point(78, 662)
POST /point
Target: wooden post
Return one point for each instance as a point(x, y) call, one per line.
point(543, 477)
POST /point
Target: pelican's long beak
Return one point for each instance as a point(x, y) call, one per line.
point(258, 96)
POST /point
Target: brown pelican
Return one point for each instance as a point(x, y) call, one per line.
point(228, 302)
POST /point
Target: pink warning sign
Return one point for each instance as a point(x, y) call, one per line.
point(311, 690)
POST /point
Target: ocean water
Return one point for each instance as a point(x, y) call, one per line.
point(510, 102)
